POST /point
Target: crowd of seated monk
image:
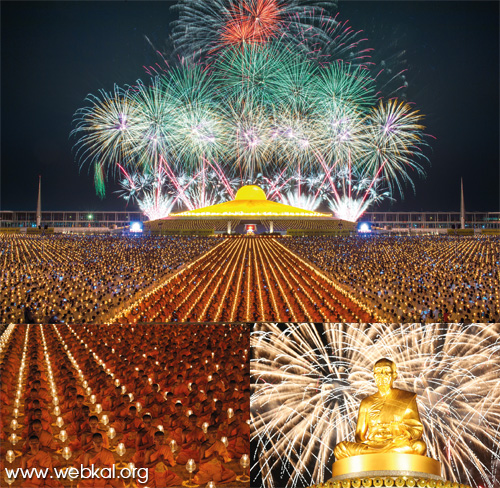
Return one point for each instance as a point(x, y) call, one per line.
point(248, 280)
point(169, 394)
point(84, 279)
point(413, 279)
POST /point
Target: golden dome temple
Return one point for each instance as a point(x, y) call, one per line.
point(250, 212)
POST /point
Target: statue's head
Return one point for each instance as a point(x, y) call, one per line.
point(384, 372)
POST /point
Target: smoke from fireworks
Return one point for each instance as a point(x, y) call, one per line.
point(308, 381)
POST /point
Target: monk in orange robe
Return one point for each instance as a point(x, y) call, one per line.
point(84, 442)
point(131, 425)
point(75, 416)
point(45, 440)
point(35, 458)
point(192, 438)
point(113, 399)
point(177, 423)
point(144, 440)
point(157, 459)
point(100, 458)
point(36, 415)
point(213, 455)
point(180, 388)
point(30, 413)
point(238, 436)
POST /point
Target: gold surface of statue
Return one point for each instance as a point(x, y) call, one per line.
point(388, 421)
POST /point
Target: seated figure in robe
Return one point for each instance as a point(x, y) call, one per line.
point(388, 421)
point(213, 456)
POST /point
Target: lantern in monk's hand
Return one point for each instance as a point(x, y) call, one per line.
point(205, 427)
point(105, 420)
point(57, 411)
point(93, 399)
point(59, 422)
point(63, 435)
point(66, 453)
point(14, 425)
point(160, 427)
point(224, 441)
point(10, 456)
point(15, 413)
point(211, 484)
point(98, 408)
point(111, 433)
point(13, 439)
point(230, 413)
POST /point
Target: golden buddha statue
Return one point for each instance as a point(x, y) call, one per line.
point(388, 421)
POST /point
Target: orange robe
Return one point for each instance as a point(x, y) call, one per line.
point(160, 476)
point(240, 444)
point(44, 462)
point(46, 442)
point(214, 470)
point(107, 460)
point(191, 448)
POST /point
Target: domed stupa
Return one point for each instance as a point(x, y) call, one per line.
point(250, 207)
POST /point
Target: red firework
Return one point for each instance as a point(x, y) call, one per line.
point(252, 22)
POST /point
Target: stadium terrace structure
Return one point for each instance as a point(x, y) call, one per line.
point(252, 213)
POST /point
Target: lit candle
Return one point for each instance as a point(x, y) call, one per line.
point(190, 466)
point(10, 456)
point(120, 449)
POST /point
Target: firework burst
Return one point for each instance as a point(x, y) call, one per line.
point(308, 381)
point(262, 105)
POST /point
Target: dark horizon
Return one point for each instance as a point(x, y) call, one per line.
point(55, 53)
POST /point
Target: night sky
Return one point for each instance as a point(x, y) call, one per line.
point(55, 53)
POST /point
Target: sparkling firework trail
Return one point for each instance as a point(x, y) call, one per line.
point(308, 381)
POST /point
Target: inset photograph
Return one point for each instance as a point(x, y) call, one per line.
point(124, 406)
point(215, 161)
point(350, 405)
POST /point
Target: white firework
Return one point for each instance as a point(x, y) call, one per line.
point(308, 381)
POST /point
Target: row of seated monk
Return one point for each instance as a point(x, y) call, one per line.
point(158, 431)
